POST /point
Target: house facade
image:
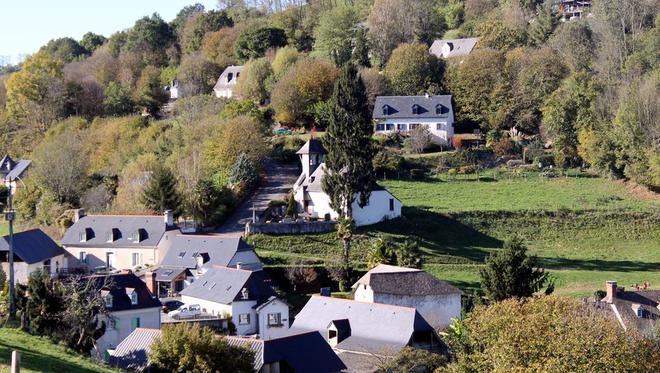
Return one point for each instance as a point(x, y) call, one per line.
point(402, 114)
point(437, 301)
point(33, 250)
point(224, 87)
point(448, 48)
point(315, 203)
point(244, 296)
point(117, 242)
point(130, 305)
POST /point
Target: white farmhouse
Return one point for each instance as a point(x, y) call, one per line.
point(224, 87)
point(448, 48)
point(33, 250)
point(405, 113)
point(437, 301)
point(315, 203)
point(245, 296)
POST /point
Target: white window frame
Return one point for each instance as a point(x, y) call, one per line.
point(276, 319)
point(82, 257)
point(136, 259)
point(244, 319)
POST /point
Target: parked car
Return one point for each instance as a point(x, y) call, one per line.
point(283, 131)
point(171, 305)
point(187, 311)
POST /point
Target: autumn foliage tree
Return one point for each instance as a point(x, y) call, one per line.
point(412, 70)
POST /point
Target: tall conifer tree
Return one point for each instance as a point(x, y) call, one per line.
point(348, 168)
point(160, 194)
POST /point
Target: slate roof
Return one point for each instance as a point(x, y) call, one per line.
point(133, 352)
point(218, 250)
point(375, 328)
point(312, 146)
point(403, 107)
point(153, 227)
point(303, 353)
point(32, 246)
point(388, 279)
point(117, 284)
point(224, 285)
point(222, 80)
point(627, 303)
point(458, 47)
point(10, 169)
point(314, 182)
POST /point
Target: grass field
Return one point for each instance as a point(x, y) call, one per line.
point(39, 354)
point(4, 228)
point(583, 230)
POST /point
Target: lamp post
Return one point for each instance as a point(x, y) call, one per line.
point(10, 216)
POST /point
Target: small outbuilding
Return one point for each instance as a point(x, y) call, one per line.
point(33, 250)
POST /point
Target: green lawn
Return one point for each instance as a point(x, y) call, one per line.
point(4, 228)
point(583, 230)
point(39, 354)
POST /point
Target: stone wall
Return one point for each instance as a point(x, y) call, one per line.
point(298, 227)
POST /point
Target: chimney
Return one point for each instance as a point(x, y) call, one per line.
point(239, 265)
point(426, 95)
point(611, 291)
point(168, 217)
point(200, 260)
point(150, 279)
point(78, 214)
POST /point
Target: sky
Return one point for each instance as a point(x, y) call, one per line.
point(26, 25)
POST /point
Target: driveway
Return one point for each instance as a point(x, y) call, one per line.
point(276, 184)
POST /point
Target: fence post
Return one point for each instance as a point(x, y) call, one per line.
point(15, 362)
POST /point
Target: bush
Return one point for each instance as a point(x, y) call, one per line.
point(513, 163)
point(244, 172)
point(285, 148)
point(417, 174)
point(467, 170)
point(386, 162)
point(544, 160)
point(532, 151)
point(503, 146)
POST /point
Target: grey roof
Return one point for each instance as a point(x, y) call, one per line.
point(153, 227)
point(269, 301)
point(216, 250)
point(458, 47)
point(31, 246)
point(402, 107)
point(164, 274)
point(302, 353)
point(627, 303)
point(133, 352)
point(314, 182)
point(10, 169)
point(389, 279)
point(312, 146)
point(377, 328)
point(222, 80)
point(224, 285)
point(117, 285)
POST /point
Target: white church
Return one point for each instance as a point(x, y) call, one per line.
point(315, 204)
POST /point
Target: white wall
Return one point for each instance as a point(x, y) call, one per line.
point(436, 309)
point(149, 318)
point(364, 293)
point(243, 307)
point(212, 308)
point(22, 270)
point(270, 332)
point(122, 258)
point(441, 136)
point(377, 210)
point(223, 92)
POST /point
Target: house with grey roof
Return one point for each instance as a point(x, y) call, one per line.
point(33, 250)
point(633, 309)
point(224, 87)
point(437, 301)
point(132, 353)
point(11, 171)
point(402, 114)
point(448, 48)
point(244, 296)
point(130, 305)
point(190, 255)
point(300, 353)
point(315, 203)
point(355, 329)
point(117, 242)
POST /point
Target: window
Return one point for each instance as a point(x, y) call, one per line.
point(391, 204)
point(413, 126)
point(133, 295)
point(438, 126)
point(415, 109)
point(82, 236)
point(402, 126)
point(82, 257)
point(135, 323)
point(230, 76)
point(115, 323)
point(390, 126)
point(386, 110)
point(182, 254)
point(244, 319)
point(640, 312)
point(136, 259)
point(108, 300)
point(380, 127)
point(274, 319)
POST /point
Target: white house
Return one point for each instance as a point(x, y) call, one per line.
point(11, 170)
point(315, 203)
point(130, 304)
point(448, 48)
point(405, 113)
point(245, 296)
point(437, 301)
point(33, 250)
point(227, 82)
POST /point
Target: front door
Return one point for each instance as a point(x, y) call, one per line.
point(109, 260)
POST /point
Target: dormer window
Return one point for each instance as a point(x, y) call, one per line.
point(386, 110)
point(230, 76)
point(415, 109)
point(132, 294)
point(107, 298)
point(439, 109)
point(245, 294)
point(86, 235)
point(138, 235)
point(112, 235)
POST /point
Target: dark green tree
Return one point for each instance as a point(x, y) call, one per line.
point(184, 14)
point(92, 41)
point(117, 100)
point(211, 203)
point(160, 193)
point(361, 49)
point(544, 25)
point(150, 37)
point(349, 170)
point(64, 49)
point(408, 255)
point(511, 273)
point(211, 21)
point(149, 93)
point(253, 42)
point(291, 207)
point(44, 304)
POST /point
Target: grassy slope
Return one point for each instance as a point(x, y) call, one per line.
point(41, 355)
point(584, 230)
point(4, 228)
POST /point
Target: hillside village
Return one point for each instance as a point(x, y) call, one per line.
point(337, 186)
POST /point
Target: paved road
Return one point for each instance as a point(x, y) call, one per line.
point(277, 183)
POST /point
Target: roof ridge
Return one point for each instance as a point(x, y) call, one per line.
point(361, 302)
point(205, 235)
